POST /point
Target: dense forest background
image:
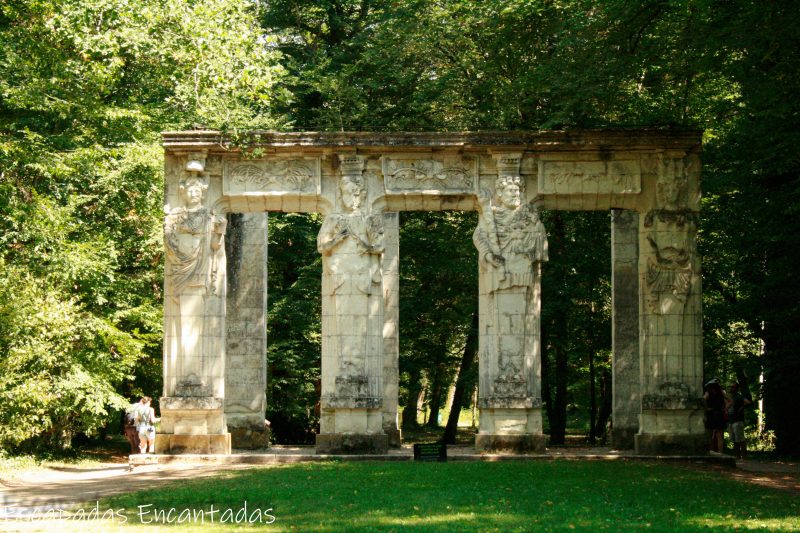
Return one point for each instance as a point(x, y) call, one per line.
point(86, 87)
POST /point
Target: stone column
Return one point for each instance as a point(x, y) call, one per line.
point(246, 348)
point(391, 327)
point(626, 400)
point(670, 318)
point(193, 418)
point(352, 242)
point(512, 243)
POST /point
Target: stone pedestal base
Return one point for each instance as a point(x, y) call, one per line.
point(675, 444)
point(526, 443)
point(250, 438)
point(167, 443)
point(622, 438)
point(249, 431)
point(671, 432)
point(193, 424)
point(395, 437)
point(353, 443)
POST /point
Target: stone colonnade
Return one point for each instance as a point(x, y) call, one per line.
point(216, 201)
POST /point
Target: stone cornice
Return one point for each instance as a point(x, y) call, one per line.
point(686, 140)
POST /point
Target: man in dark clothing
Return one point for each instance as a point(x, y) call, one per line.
point(735, 404)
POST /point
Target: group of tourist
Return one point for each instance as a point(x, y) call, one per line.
point(139, 428)
point(725, 410)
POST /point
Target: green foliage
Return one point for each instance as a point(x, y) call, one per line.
point(85, 88)
point(294, 331)
point(730, 69)
point(438, 295)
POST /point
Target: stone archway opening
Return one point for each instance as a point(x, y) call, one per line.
point(293, 328)
point(438, 297)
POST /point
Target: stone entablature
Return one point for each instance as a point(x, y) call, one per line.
point(359, 181)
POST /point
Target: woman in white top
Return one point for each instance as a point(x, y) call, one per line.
point(145, 418)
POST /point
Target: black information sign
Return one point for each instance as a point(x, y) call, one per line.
point(430, 451)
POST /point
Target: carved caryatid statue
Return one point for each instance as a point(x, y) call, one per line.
point(351, 244)
point(511, 242)
point(671, 233)
point(193, 237)
point(194, 245)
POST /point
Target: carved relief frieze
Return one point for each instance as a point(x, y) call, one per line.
point(671, 264)
point(597, 177)
point(278, 176)
point(444, 175)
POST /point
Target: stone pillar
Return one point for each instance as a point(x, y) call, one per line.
point(352, 242)
point(246, 348)
point(626, 400)
point(192, 408)
point(512, 243)
point(391, 327)
point(670, 318)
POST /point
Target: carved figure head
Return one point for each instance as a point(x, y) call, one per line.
point(352, 192)
point(192, 191)
point(508, 191)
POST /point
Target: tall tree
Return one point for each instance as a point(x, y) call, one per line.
point(85, 88)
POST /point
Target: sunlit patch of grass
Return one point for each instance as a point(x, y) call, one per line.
point(732, 522)
point(474, 496)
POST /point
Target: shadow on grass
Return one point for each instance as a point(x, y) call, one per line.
point(474, 496)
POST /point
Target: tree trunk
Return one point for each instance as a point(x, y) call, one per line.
point(547, 390)
point(605, 405)
point(438, 389)
point(592, 399)
point(782, 371)
point(558, 420)
point(465, 380)
point(414, 390)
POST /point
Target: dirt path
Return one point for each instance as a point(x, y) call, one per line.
point(781, 475)
point(63, 486)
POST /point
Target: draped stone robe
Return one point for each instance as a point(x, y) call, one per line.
point(351, 245)
point(510, 296)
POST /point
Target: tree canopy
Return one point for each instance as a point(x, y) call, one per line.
point(86, 85)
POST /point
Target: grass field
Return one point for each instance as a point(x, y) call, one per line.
point(460, 496)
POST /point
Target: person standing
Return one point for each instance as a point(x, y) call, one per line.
point(145, 418)
point(714, 399)
point(735, 404)
point(129, 421)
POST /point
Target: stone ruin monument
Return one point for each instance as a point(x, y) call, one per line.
point(215, 233)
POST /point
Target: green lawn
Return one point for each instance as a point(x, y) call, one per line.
point(462, 496)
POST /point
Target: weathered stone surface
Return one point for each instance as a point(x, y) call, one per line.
point(248, 438)
point(626, 396)
point(277, 175)
point(589, 177)
point(427, 174)
point(246, 341)
point(190, 404)
point(622, 438)
point(215, 294)
point(352, 443)
point(352, 241)
point(196, 444)
point(670, 444)
point(527, 443)
point(511, 242)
